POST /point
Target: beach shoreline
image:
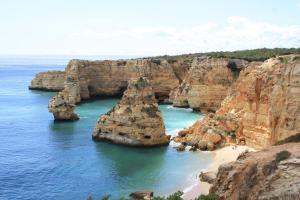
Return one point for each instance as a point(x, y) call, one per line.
point(221, 156)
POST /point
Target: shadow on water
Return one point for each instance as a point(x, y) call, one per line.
point(62, 132)
point(132, 161)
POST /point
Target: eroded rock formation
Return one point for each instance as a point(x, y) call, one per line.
point(207, 83)
point(210, 133)
point(62, 106)
point(270, 174)
point(110, 78)
point(51, 81)
point(135, 120)
point(264, 104)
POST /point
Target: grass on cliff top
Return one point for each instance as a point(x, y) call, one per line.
point(249, 55)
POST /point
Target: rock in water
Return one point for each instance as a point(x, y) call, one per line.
point(62, 107)
point(135, 120)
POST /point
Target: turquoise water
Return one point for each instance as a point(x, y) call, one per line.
point(42, 159)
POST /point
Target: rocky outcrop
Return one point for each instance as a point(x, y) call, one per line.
point(62, 106)
point(207, 83)
point(210, 133)
point(50, 81)
point(135, 120)
point(270, 174)
point(263, 105)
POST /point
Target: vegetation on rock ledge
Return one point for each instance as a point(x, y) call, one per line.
point(249, 55)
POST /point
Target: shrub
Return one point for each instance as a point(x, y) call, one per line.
point(293, 138)
point(282, 155)
point(208, 197)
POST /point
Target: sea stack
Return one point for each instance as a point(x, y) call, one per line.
point(135, 120)
point(62, 106)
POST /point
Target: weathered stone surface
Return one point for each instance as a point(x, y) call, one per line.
point(263, 107)
point(208, 177)
point(272, 173)
point(62, 106)
point(51, 81)
point(207, 83)
point(267, 101)
point(110, 78)
point(211, 132)
point(135, 120)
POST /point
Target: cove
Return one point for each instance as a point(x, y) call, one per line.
point(43, 159)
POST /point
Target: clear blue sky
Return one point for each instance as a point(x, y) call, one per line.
point(146, 27)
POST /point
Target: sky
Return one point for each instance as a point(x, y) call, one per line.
point(145, 27)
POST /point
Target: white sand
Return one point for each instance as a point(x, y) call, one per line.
point(220, 156)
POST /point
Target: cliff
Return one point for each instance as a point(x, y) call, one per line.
point(135, 120)
point(264, 103)
point(270, 174)
point(51, 81)
point(207, 83)
point(110, 78)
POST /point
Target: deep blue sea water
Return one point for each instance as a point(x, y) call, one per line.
point(41, 159)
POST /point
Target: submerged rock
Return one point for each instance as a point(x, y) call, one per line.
point(135, 120)
point(181, 147)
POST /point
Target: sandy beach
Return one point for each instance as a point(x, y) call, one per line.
point(220, 156)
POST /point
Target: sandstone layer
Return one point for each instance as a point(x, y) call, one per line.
point(135, 120)
point(264, 105)
point(269, 174)
point(207, 83)
point(50, 81)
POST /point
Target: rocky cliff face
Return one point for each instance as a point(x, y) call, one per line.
point(270, 174)
point(267, 101)
point(206, 84)
point(51, 81)
point(110, 78)
point(264, 103)
point(135, 120)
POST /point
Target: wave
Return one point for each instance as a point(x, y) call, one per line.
point(170, 107)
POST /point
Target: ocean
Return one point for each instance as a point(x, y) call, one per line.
point(41, 159)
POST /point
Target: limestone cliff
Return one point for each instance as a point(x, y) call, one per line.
point(267, 101)
point(135, 120)
point(264, 103)
point(110, 78)
point(270, 174)
point(207, 83)
point(51, 81)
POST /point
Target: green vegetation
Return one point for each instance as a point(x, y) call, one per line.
point(249, 55)
point(282, 155)
point(293, 138)
point(175, 196)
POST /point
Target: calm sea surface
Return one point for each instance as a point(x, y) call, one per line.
point(42, 159)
